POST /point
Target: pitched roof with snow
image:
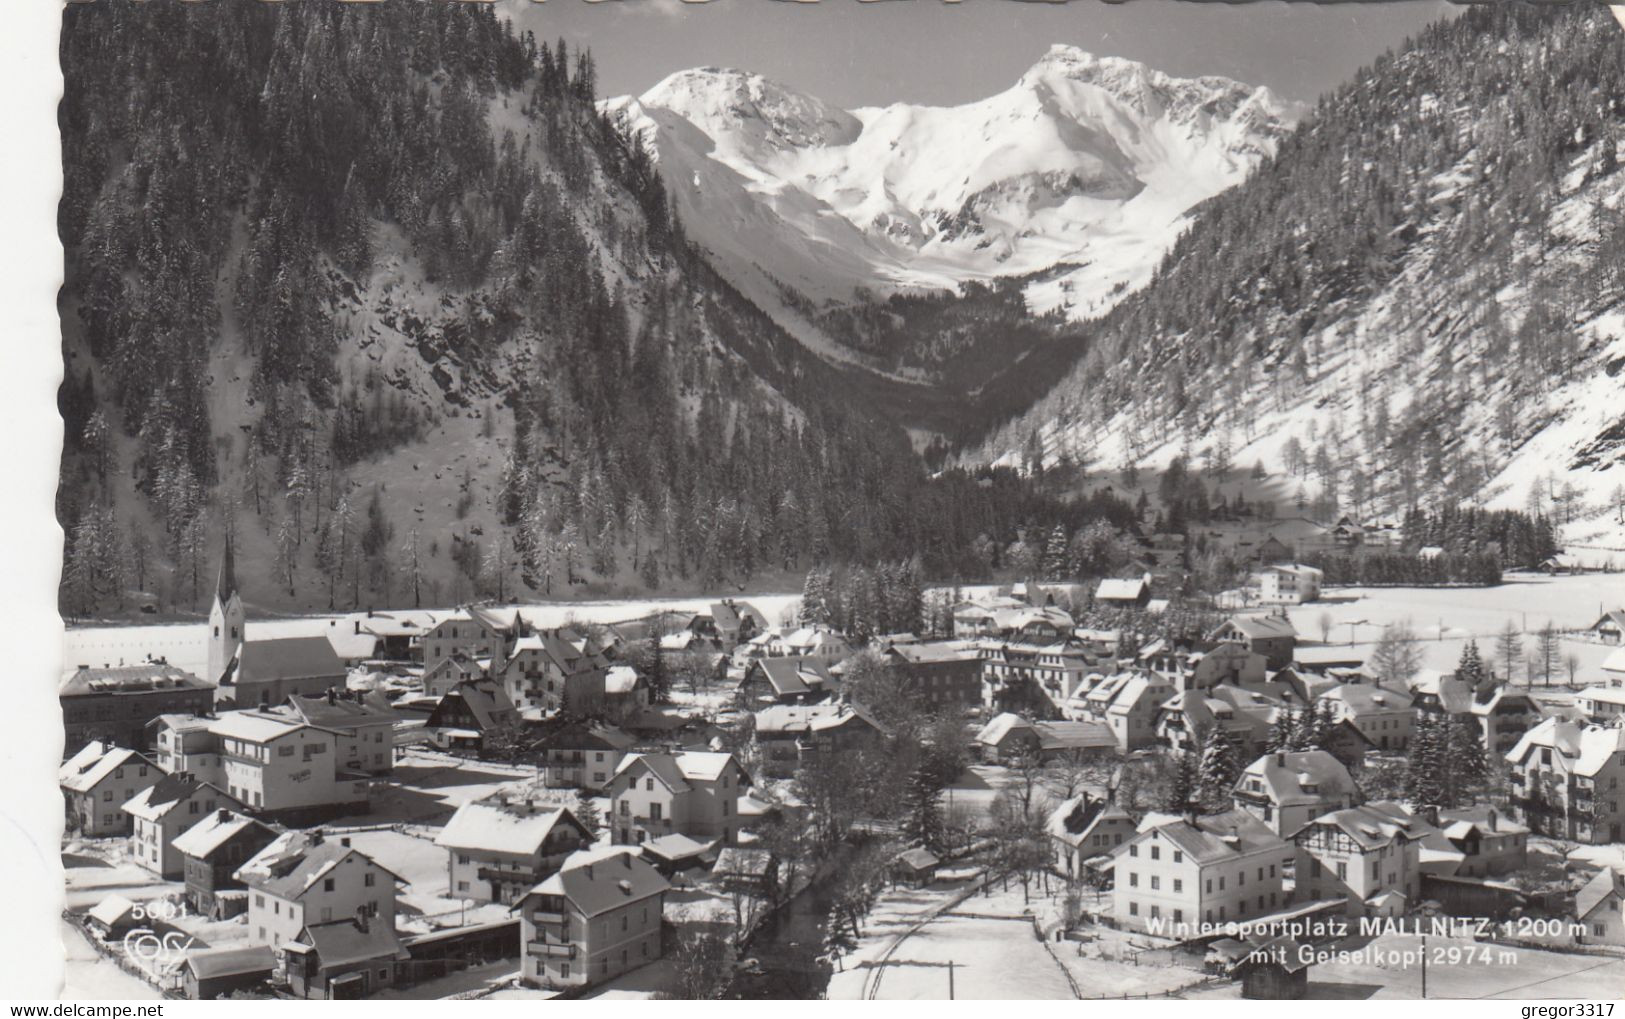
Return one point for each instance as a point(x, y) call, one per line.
point(1615, 662)
point(995, 731)
point(1608, 882)
point(925, 653)
point(1368, 698)
point(1217, 838)
point(215, 831)
point(620, 680)
point(794, 676)
point(111, 910)
point(1373, 824)
point(295, 861)
point(256, 726)
point(260, 661)
point(94, 762)
point(1255, 627)
point(156, 801)
point(494, 828)
point(675, 846)
point(596, 881)
point(213, 963)
point(1074, 736)
point(1074, 820)
point(344, 712)
point(589, 737)
point(341, 943)
point(1112, 589)
point(1298, 777)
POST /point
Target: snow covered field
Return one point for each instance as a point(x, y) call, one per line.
point(1446, 617)
point(185, 644)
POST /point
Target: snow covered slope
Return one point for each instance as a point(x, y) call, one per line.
point(1087, 166)
point(1420, 300)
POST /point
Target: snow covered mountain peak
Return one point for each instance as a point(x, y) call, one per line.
point(722, 101)
point(1081, 172)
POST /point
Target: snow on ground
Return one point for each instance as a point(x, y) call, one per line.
point(185, 645)
point(988, 938)
point(1457, 968)
point(427, 788)
point(1529, 601)
point(462, 983)
point(90, 976)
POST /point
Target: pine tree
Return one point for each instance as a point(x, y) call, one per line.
point(1470, 667)
point(922, 822)
point(1281, 729)
point(659, 678)
point(1464, 762)
point(839, 937)
point(1219, 769)
point(1182, 787)
point(586, 811)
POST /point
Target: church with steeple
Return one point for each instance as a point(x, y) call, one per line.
point(225, 618)
point(260, 673)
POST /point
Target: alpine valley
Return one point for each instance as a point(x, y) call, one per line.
point(390, 293)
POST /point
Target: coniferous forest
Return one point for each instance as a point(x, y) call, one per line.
point(228, 218)
point(1447, 220)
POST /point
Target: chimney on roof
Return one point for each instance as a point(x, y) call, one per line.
point(225, 815)
point(1491, 821)
point(626, 858)
point(1280, 759)
point(332, 696)
point(316, 837)
point(588, 869)
point(345, 841)
point(1430, 813)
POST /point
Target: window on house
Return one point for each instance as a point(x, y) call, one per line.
point(1179, 885)
point(1134, 850)
point(1156, 852)
point(1133, 880)
point(370, 879)
point(648, 785)
point(1134, 909)
point(1156, 883)
point(327, 885)
point(1179, 857)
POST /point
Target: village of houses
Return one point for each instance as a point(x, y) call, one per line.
point(463, 804)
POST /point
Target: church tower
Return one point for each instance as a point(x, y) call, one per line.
point(225, 618)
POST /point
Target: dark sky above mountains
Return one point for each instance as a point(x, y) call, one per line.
point(852, 53)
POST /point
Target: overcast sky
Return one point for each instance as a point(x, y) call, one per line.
point(926, 51)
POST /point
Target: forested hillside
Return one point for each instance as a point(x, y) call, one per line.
point(1416, 300)
point(377, 289)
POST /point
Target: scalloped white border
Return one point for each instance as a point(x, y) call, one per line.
point(30, 540)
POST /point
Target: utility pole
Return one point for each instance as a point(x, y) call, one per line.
point(951, 980)
point(1424, 964)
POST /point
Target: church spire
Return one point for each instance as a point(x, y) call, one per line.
point(227, 585)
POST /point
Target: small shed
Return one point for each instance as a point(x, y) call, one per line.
point(672, 854)
point(746, 870)
point(917, 866)
point(1274, 969)
point(209, 973)
point(113, 917)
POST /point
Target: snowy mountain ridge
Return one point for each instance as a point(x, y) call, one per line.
point(1087, 166)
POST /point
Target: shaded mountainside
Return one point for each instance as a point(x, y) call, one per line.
point(379, 289)
point(1417, 299)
